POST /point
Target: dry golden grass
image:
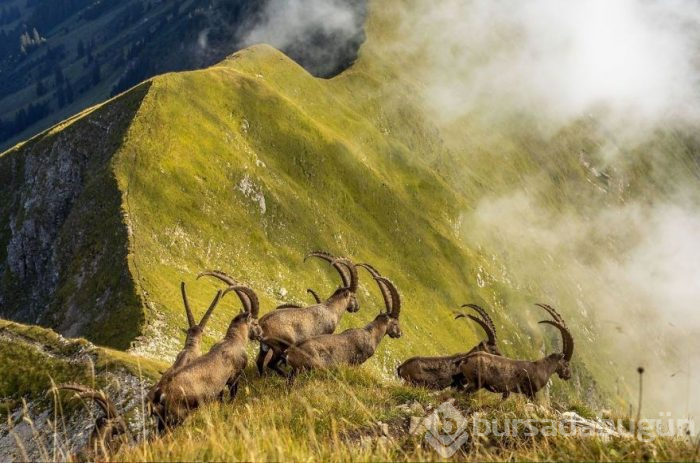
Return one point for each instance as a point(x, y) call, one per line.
point(352, 415)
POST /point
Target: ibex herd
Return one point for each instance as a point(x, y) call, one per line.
point(302, 338)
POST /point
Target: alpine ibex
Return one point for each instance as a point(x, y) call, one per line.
point(353, 346)
point(193, 339)
point(205, 378)
point(282, 328)
point(437, 372)
point(110, 430)
point(505, 375)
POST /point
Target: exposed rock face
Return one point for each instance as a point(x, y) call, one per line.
point(62, 234)
point(52, 182)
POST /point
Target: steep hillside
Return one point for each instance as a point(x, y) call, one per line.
point(246, 166)
point(378, 419)
point(249, 164)
point(64, 243)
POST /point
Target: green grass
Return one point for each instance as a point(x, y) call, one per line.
point(34, 358)
point(338, 168)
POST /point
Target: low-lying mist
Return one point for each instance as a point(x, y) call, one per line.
point(626, 256)
point(630, 261)
point(630, 273)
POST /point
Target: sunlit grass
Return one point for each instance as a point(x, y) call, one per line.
point(352, 415)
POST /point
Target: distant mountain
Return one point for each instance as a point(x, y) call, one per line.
point(58, 57)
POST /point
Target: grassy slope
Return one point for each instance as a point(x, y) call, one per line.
point(331, 178)
point(87, 239)
point(350, 166)
point(269, 422)
point(341, 165)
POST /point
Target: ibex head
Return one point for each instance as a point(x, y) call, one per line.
point(348, 274)
point(249, 312)
point(249, 299)
point(563, 359)
point(392, 302)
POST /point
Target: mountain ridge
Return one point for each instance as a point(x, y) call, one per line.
point(279, 161)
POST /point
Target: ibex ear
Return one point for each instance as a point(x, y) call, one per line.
point(184, 331)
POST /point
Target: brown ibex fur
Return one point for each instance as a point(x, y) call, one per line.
point(505, 375)
point(283, 328)
point(437, 372)
point(353, 346)
point(110, 430)
point(205, 378)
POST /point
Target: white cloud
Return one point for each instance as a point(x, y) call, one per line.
point(636, 58)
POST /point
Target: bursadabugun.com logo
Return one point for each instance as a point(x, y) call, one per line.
point(447, 429)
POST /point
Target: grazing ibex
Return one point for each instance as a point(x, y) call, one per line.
point(282, 328)
point(353, 346)
point(193, 339)
point(505, 375)
point(110, 430)
point(437, 372)
point(205, 378)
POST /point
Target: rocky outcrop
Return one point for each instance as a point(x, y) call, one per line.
point(52, 182)
point(41, 425)
point(62, 228)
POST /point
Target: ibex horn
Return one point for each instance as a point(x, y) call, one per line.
point(486, 318)
point(314, 294)
point(485, 326)
point(186, 302)
point(99, 397)
point(568, 340)
point(342, 270)
point(395, 297)
point(385, 291)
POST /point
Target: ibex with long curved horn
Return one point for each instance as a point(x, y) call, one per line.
point(110, 430)
point(205, 378)
point(282, 328)
point(290, 324)
point(505, 375)
point(352, 346)
point(437, 372)
point(193, 339)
